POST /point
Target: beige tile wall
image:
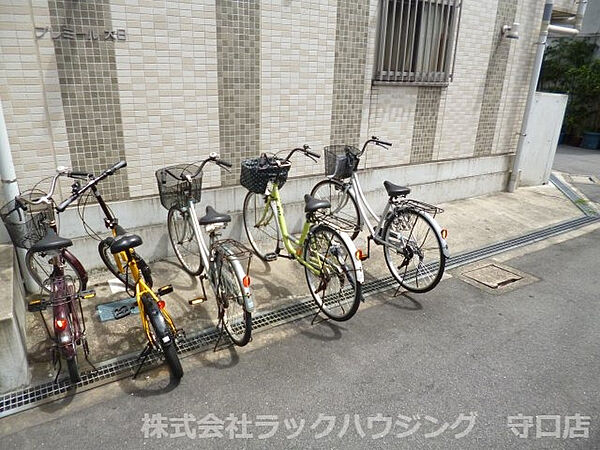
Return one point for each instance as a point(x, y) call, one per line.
point(297, 57)
point(30, 93)
point(168, 86)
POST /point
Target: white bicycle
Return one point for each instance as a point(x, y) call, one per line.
point(413, 243)
point(227, 261)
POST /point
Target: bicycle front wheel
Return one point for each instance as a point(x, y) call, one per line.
point(126, 278)
point(163, 336)
point(331, 276)
point(413, 251)
point(260, 224)
point(343, 206)
point(184, 242)
point(236, 319)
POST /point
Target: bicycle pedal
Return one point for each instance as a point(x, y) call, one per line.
point(197, 301)
point(35, 305)
point(179, 334)
point(270, 257)
point(90, 293)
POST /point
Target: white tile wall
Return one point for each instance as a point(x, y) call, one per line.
point(297, 57)
point(167, 73)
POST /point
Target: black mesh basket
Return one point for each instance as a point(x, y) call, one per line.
point(257, 172)
point(340, 161)
point(176, 192)
point(26, 224)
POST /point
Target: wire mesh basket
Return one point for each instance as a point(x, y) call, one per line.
point(340, 161)
point(175, 192)
point(26, 224)
point(257, 172)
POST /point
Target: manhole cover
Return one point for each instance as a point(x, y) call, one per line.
point(493, 276)
point(583, 179)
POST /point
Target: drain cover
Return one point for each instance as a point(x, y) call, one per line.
point(493, 276)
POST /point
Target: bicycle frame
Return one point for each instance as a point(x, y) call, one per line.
point(295, 246)
point(206, 260)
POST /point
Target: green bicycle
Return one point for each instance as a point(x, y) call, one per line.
point(332, 265)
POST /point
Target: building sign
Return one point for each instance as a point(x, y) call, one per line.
point(68, 33)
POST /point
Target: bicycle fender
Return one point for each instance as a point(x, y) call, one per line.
point(240, 274)
point(360, 275)
point(438, 231)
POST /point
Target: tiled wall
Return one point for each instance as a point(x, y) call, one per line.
point(243, 77)
point(238, 68)
point(167, 75)
point(297, 54)
point(87, 75)
point(494, 79)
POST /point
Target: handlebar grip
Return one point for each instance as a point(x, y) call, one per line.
point(119, 165)
point(313, 154)
point(78, 173)
point(60, 208)
point(389, 144)
point(225, 163)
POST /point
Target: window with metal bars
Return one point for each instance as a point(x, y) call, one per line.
point(417, 41)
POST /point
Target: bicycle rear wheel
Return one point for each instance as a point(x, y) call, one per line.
point(332, 280)
point(413, 251)
point(236, 319)
point(260, 224)
point(183, 240)
point(40, 271)
point(163, 335)
point(73, 368)
point(343, 205)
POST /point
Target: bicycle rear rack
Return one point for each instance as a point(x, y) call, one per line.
point(418, 205)
point(338, 223)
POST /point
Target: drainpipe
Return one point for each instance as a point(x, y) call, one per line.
point(515, 173)
point(10, 189)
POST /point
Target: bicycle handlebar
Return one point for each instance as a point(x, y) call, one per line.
point(375, 140)
point(93, 182)
point(304, 149)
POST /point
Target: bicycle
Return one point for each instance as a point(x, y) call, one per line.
point(227, 262)
point(414, 244)
point(332, 267)
point(160, 331)
point(32, 225)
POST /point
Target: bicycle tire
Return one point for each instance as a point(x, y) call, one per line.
point(251, 214)
point(348, 267)
point(177, 241)
point(163, 335)
point(408, 253)
point(343, 205)
point(230, 291)
point(73, 369)
point(35, 269)
point(109, 261)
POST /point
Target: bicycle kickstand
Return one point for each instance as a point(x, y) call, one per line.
point(221, 327)
point(143, 356)
point(55, 360)
point(86, 354)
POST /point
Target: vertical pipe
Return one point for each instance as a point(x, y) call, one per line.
point(10, 189)
point(537, 65)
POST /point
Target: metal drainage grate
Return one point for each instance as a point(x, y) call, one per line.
point(124, 366)
point(580, 202)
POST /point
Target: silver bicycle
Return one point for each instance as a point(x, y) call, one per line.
point(227, 261)
point(414, 245)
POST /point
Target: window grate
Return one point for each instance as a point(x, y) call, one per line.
point(417, 41)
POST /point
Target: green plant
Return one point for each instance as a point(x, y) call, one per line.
point(571, 68)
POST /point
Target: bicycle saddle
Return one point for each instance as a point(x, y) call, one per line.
point(313, 204)
point(213, 216)
point(394, 190)
point(51, 241)
point(122, 243)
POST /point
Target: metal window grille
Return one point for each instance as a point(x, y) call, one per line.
point(417, 41)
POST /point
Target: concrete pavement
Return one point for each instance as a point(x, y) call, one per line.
point(457, 350)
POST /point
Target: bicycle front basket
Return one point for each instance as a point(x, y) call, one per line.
point(26, 224)
point(340, 161)
point(257, 172)
point(176, 192)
